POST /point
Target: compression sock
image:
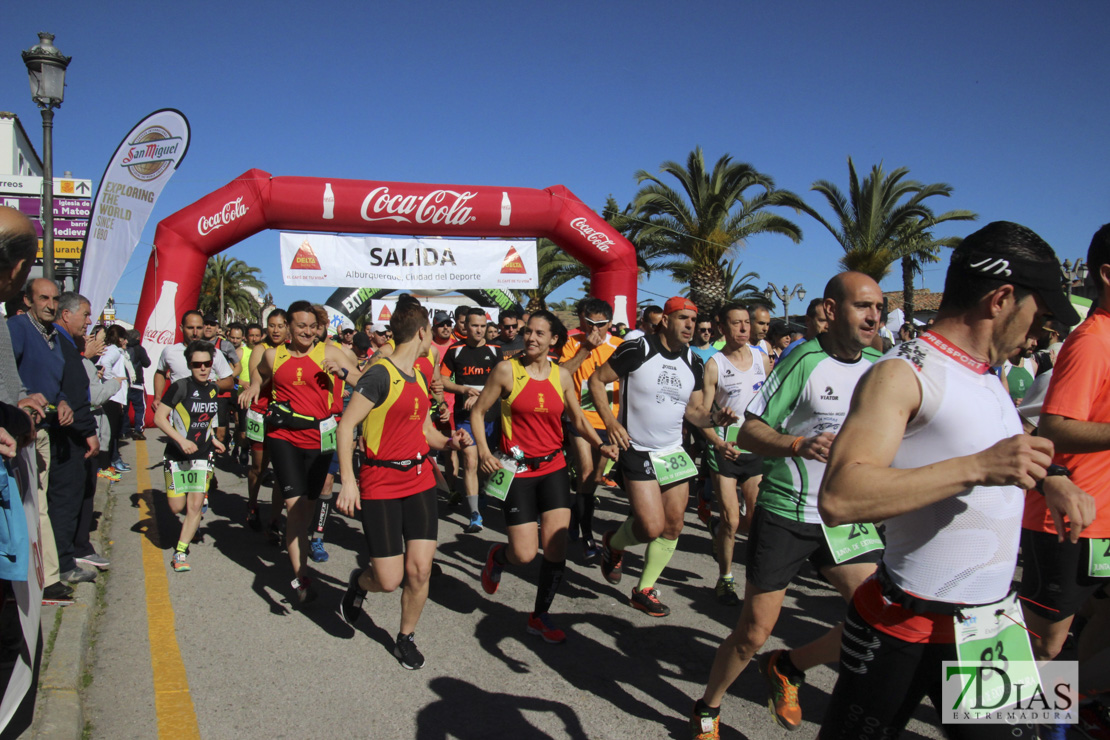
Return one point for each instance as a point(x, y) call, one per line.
point(659, 552)
point(624, 537)
point(323, 508)
point(551, 577)
point(182, 546)
point(586, 516)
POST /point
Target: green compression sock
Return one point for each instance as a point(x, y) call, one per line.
point(659, 552)
point(624, 537)
point(182, 546)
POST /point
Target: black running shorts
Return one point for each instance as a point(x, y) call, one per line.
point(388, 523)
point(1054, 580)
point(778, 546)
point(530, 497)
point(742, 468)
point(297, 471)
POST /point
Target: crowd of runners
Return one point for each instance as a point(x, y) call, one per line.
point(905, 470)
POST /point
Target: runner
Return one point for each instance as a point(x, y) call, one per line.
point(277, 326)
point(395, 491)
point(533, 480)
point(660, 385)
point(250, 336)
point(732, 377)
point(582, 354)
point(465, 370)
point(187, 415)
point(510, 339)
point(300, 433)
point(792, 422)
point(952, 518)
point(1060, 575)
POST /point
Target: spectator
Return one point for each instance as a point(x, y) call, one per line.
point(649, 320)
point(114, 362)
point(136, 394)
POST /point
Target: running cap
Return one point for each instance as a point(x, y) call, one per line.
point(379, 328)
point(678, 303)
point(1048, 284)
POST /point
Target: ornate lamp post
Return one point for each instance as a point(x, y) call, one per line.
point(46, 67)
point(784, 296)
point(1076, 272)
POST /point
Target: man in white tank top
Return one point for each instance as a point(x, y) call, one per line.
point(933, 447)
point(732, 377)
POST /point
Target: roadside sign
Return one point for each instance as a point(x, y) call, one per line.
point(65, 187)
point(64, 229)
point(64, 249)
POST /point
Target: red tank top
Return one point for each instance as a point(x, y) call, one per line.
point(307, 388)
point(394, 430)
point(532, 418)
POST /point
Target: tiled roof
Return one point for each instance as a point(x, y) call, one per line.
point(923, 300)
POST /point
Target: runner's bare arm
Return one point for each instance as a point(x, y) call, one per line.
point(162, 421)
point(159, 387)
point(860, 486)
point(1075, 436)
point(337, 359)
point(574, 410)
point(439, 441)
point(498, 385)
point(758, 436)
point(356, 412)
point(599, 378)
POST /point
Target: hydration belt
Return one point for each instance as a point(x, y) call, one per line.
point(916, 604)
point(280, 415)
point(410, 464)
point(535, 462)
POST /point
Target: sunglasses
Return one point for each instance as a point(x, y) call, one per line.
point(602, 322)
point(201, 363)
point(706, 329)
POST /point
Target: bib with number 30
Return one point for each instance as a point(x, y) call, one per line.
point(256, 431)
point(327, 434)
point(672, 466)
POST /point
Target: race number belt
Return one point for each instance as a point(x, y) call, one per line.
point(534, 462)
point(410, 464)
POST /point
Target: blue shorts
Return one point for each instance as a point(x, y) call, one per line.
point(491, 441)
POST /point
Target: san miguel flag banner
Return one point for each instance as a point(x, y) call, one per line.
point(142, 165)
point(407, 264)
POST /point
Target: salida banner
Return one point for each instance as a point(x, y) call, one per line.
point(407, 264)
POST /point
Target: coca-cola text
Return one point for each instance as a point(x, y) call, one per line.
point(595, 237)
point(155, 336)
point(231, 211)
point(433, 208)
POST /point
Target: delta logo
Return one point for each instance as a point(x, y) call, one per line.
point(305, 258)
point(512, 264)
point(385, 314)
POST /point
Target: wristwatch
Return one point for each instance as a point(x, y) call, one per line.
point(1050, 471)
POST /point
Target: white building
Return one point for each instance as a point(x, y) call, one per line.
point(17, 153)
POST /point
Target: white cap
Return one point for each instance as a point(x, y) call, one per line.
point(379, 328)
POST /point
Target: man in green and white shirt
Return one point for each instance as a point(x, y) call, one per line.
point(792, 422)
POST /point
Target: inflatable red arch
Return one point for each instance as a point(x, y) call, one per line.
point(256, 200)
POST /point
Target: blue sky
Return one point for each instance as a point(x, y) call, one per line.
point(1004, 101)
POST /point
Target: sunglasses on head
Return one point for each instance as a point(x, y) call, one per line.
point(201, 363)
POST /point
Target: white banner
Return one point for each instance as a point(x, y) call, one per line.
point(407, 264)
point(140, 168)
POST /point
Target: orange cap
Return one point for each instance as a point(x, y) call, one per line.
point(678, 303)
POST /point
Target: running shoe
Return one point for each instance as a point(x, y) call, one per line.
point(726, 591)
point(1094, 721)
point(705, 725)
point(406, 651)
point(254, 519)
point(138, 435)
point(610, 560)
point(121, 466)
point(590, 549)
point(93, 561)
point(351, 604)
point(316, 551)
point(540, 624)
point(609, 482)
point(704, 512)
point(475, 525)
point(57, 594)
point(783, 699)
point(108, 474)
point(304, 592)
point(179, 564)
point(491, 574)
point(647, 601)
point(79, 575)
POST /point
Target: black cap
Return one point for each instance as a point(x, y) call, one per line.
point(210, 320)
point(1047, 283)
point(441, 317)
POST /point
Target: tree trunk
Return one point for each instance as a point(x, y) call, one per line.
point(907, 290)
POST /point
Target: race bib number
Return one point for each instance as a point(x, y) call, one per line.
point(498, 484)
point(851, 540)
point(672, 466)
point(327, 434)
point(1098, 561)
point(732, 434)
point(996, 634)
point(190, 476)
point(256, 429)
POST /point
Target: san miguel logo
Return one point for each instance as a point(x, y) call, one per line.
point(152, 151)
point(512, 264)
point(305, 258)
point(437, 207)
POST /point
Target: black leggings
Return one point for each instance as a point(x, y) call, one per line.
point(530, 497)
point(388, 523)
point(114, 413)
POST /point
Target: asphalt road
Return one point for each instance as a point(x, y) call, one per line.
point(251, 666)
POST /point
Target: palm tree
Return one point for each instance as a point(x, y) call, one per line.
point(556, 268)
point(738, 288)
point(224, 288)
point(704, 222)
point(918, 246)
point(879, 217)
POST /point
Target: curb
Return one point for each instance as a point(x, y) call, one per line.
point(59, 711)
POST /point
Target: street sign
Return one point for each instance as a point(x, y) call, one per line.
point(71, 208)
point(64, 229)
point(64, 249)
point(65, 187)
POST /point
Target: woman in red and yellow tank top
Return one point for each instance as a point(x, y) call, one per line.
point(534, 393)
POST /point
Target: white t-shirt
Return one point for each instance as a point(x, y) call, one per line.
point(173, 365)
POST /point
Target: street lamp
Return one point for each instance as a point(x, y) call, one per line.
point(784, 296)
point(1078, 272)
point(46, 67)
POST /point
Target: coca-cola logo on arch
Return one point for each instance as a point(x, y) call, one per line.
point(231, 211)
point(437, 207)
point(595, 237)
point(158, 336)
